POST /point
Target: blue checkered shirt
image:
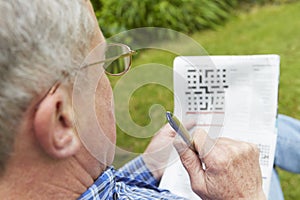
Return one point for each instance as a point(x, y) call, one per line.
point(133, 181)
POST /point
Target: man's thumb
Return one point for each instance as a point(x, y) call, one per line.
point(192, 164)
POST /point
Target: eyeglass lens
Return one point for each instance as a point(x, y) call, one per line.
point(121, 63)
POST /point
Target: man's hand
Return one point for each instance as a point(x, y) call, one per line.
point(158, 151)
point(157, 154)
point(231, 171)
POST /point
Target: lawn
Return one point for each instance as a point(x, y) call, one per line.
point(271, 29)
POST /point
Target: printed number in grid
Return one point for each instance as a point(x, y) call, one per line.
point(264, 154)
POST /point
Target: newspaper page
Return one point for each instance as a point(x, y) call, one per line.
point(228, 96)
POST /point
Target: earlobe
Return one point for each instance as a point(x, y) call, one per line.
point(53, 125)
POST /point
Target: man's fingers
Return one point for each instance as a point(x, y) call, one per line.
point(190, 124)
point(192, 164)
point(202, 142)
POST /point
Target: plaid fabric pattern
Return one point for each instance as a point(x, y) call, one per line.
point(133, 181)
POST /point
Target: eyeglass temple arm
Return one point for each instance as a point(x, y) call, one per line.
point(130, 53)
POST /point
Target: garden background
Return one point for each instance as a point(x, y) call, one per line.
point(225, 27)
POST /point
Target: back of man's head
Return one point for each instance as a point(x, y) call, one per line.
point(40, 40)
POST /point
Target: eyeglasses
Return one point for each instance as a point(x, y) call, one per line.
point(116, 62)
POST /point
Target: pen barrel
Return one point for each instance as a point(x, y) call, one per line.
point(181, 130)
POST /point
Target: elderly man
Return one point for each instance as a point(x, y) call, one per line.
point(42, 153)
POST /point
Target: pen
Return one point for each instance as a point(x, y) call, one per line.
point(181, 130)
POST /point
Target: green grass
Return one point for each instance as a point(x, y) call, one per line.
point(264, 30)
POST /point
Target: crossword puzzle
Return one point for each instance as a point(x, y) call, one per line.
point(264, 154)
point(205, 91)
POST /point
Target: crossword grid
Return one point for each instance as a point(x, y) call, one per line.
point(264, 154)
point(205, 91)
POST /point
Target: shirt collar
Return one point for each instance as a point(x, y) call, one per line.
point(103, 187)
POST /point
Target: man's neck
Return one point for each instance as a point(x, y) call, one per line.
point(57, 181)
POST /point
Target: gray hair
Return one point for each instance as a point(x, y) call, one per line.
point(39, 39)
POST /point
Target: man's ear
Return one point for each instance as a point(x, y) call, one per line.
point(53, 125)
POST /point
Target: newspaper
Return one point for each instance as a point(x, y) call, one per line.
point(228, 96)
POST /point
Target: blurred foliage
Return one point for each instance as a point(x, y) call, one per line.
point(187, 16)
point(97, 4)
point(261, 2)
